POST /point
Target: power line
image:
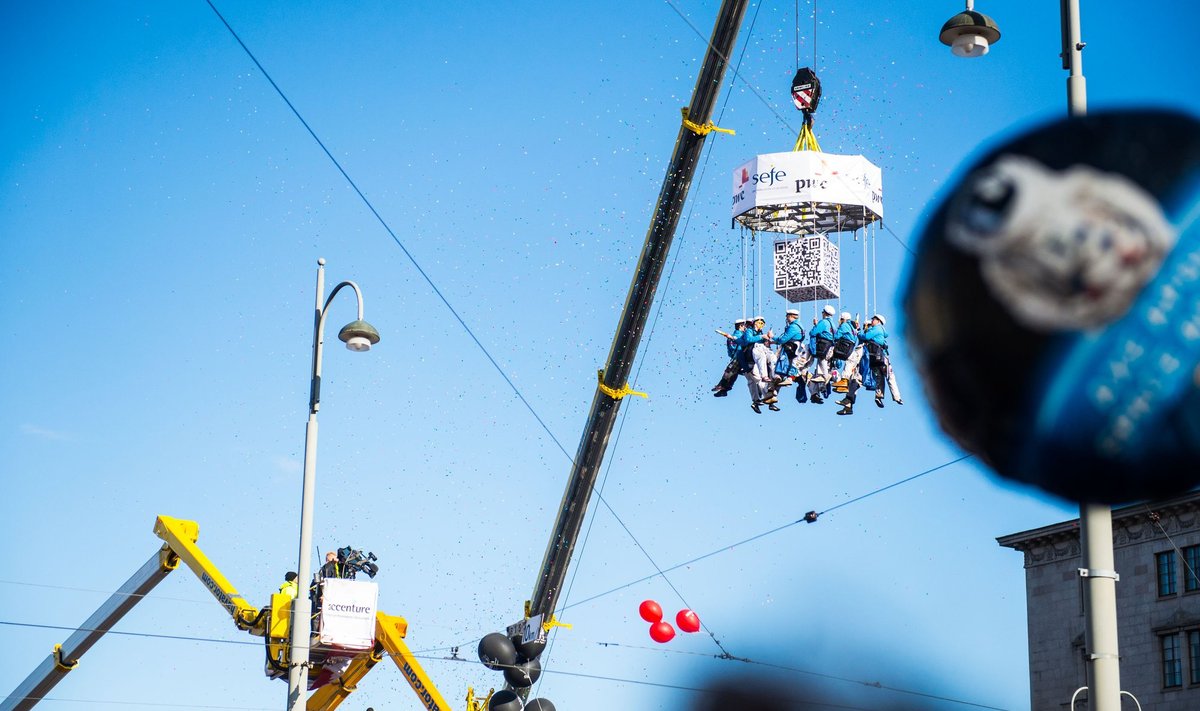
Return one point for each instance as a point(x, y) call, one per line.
point(797, 670)
point(152, 704)
point(809, 517)
point(388, 228)
point(182, 638)
point(781, 667)
point(110, 593)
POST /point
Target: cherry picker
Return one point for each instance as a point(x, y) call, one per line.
point(351, 635)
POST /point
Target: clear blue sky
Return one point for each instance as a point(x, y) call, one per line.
point(162, 211)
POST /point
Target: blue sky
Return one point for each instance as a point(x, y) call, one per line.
point(163, 210)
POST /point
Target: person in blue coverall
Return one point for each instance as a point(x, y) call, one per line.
point(844, 339)
point(754, 342)
point(733, 369)
point(821, 342)
point(790, 358)
point(874, 340)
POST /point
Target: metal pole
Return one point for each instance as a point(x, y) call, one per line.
point(51, 671)
point(1095, 520)
point(603, 414)
point(302, 605)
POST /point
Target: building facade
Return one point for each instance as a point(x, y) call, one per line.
point(1157, 556)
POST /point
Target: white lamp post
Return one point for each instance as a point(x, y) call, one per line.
point(358, 336)
point(969, 34)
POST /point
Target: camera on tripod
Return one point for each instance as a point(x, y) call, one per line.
point(353, 562)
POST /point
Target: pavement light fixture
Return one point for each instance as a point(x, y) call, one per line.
point(359, 336)
point(970, 33)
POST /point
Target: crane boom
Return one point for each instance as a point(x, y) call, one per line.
point(66, 655)
point(614, 377)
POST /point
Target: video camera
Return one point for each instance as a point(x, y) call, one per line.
point(354, 562)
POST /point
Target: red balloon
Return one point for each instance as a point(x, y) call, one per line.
point(662, 632)
point(687, 621)
point(650, 611)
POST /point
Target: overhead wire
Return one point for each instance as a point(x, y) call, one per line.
point(805, 519)
point(797, 670)
point(462, 322)
point(1157, 521)
point(423, 655)
point(412, 259)
point(153, 704)
point(408, 254)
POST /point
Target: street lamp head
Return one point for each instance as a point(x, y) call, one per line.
point(359, 335)
point(969, 34)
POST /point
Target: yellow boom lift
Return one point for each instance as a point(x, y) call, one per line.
point(272, 623)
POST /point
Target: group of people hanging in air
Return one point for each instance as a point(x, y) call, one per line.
point(837, 357)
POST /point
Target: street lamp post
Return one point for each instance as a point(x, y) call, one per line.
point(358, 336)
point(969, 34)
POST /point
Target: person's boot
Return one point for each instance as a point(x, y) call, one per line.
point(847, 409)
point(772, 407)
point(879, 401)
point(755, 406)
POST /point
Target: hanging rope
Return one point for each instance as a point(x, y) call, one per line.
point(745, 266)
point(866, 237)
point(758, 301)
point(815, 35)
point(874, 270)
point(839, 246)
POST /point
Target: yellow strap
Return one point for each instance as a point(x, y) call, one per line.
point(705, 129)
point(614, 393)
point(547, 626)
point(807, 140)
point(60, 663)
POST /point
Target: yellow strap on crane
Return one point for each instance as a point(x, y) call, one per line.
point(703, 129)
point(807, 140)
point(614, 393)
point(60, 663)
point(553, 622)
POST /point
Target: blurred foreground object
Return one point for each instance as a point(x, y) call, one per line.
point(1054, 307)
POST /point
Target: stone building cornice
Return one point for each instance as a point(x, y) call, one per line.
point(1132, 525)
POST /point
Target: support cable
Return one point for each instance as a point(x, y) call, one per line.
point(770, 107)
point(390, 231)
point(810, 517)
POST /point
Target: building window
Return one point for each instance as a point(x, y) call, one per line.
point(1172, 664)
point(1166, 573)
point(1194, 656)
point(1191, 569)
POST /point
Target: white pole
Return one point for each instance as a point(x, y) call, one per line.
point(1095, 520)
point(302, 605)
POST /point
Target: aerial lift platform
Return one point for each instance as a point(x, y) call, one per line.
point(272, 623)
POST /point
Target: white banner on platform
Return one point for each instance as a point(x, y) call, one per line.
point(799, 178)
point(348, 613)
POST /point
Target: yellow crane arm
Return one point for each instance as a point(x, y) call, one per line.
point(390, 631)
point(181, 536)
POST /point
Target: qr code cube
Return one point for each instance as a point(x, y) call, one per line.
point(807, 269)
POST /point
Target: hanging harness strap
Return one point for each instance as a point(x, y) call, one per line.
point(807, 140)
point(617, 394)
point(703, 129)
